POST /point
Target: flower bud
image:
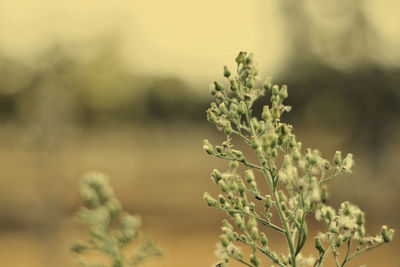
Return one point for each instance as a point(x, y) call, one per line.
point(275, 90)
point(241, 187)
point(253, 186)
point(233, 164)
point(267, 202)
point(254, 233)
point(233, 186)
point(207, 147)
point(239, 222)
point(283, 92)
point(238, 154)
point(240, 58)
point(233, 84)
point(223, 185)
point(266, 114)
point(241, 107)
point(227, 73)
point(211, 117)
point(249, 59)
point(249, 83)
point(221, 199)
point(361, 218)
point(228, 129)
point(387, 235)
point(249, 175)
point(268, 83)
point(337, 159)
point(296, 154)
point(218, 87)
point(275, 113)
point(224, 240)
point(339, 241)
point(210, 200)
point(263, 239)
point(216, 176)
point(223, 108)
point(348, 162)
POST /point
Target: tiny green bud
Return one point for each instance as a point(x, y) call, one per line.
point(233, 164)
point(275, 90)
point(254, 233)
point(282, 197)
point(296, 154)
point(233, 186)
point(249, 175)
point(283, 92)
point(223, 108)
point(252, 222)
point(339, 241)
point(233, 84)
point(253, 186)
point(228, 129)
point(207, 147)
point(361, 218)
point(218, 87)
point(276, 114)
point(254, 143)
point(210, 200)
point(240, 58)
point(216, 176)
point(266, 114)
point(274, 153)
point(249, 59)
point(213, 91)
point(241, 187)
point(241, 107)
point(263, 239)
point(387, 235)
point(250, 83)
point(227, 73)
point(221, 199)
point(224, 240)
point(267, 202)
point(268, 83)
point(337, 159)
point(238, 154)
point(223, 185)
point(211, 117)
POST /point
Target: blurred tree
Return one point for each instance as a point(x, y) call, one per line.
point(332, 60)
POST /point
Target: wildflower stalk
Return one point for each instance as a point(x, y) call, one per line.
point(111, 229)
point(296, 188)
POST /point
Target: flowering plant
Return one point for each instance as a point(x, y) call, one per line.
point(296, 181)
point(111, 229)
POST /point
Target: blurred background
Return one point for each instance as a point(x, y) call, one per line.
point(122, 87)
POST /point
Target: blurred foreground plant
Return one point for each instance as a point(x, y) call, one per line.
point(296, 181)
point(111, 229)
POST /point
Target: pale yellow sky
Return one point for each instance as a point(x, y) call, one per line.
point(190, 38)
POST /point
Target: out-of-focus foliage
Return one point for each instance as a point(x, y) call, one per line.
point(111, 229)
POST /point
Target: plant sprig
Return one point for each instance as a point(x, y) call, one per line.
point(110, 228)
point(296, 184)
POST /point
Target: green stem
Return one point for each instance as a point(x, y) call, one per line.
point(361, 251)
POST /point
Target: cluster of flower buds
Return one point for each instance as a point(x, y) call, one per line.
point(110, 227)
point(296, 180)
